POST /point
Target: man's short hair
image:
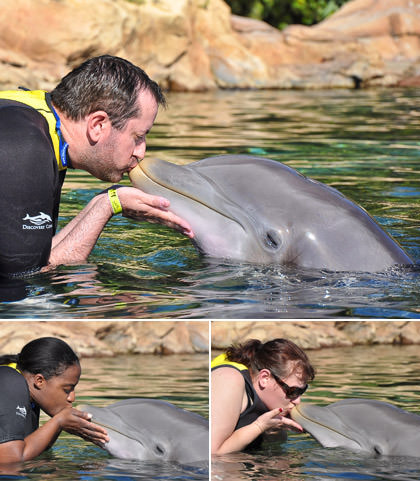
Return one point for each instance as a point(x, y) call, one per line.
point(107, 83)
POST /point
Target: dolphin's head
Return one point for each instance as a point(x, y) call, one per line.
point(366, 425)
point(151, 429)
point(258, 210)
point(228, 216)
point(327, 428)
point(124, 442)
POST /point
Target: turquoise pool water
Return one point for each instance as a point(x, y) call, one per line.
point(363, 142)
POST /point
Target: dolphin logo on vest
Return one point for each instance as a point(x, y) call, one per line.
point(41, 221)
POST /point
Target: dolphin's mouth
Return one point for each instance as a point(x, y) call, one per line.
point(324, 425)
point(85, 408)
point(118, 431)
point(172, 177)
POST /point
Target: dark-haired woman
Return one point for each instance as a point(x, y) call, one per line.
point(43, 376)
point(254, 387)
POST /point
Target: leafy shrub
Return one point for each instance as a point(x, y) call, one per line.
point(281, 13)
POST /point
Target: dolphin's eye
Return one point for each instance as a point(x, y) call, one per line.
point(272, 239)
point(159, 450)
point(377, 449)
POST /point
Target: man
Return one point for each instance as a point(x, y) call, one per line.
point(96, 119)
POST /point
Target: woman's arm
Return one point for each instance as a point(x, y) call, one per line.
point(227, 392)
point(227, 402)
point(69, 419)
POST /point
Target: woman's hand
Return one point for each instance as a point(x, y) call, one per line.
point(78, 422)
point(140, 206)
point(274, 420)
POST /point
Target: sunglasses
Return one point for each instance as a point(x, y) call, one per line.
point(292, 392)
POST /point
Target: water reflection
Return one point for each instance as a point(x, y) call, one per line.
point(68, 464)
point(365, 143)
point(387, 373)
point(179, 379)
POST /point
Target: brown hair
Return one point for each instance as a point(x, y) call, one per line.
point(107, 83)
point(278, 355)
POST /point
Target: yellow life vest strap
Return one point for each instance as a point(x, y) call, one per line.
point(13, 365)
point(223, 361)
point(37, 100)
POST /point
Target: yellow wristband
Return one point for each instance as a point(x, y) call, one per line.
point(115, 201)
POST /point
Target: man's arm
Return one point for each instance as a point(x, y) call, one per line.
point(76, 240)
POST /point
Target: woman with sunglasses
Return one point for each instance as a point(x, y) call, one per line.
point(42, 376)
point(254, 387)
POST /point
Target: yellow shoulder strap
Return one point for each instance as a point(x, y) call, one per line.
point(222, 361)
point(13, 365)
point(36, 99)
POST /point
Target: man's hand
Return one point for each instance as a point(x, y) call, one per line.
point(74, 242)
point(140, 206)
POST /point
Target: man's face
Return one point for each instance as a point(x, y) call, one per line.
point(123, 149)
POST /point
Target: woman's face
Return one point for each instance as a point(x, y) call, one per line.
point(273, 395)
point(56, 393)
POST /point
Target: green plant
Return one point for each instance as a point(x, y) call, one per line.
point(280, 13)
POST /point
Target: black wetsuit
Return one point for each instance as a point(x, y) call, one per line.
point(18, 416)
point(30, 189)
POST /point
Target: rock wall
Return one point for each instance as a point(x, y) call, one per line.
point(317, 334)
point(197, 45)
point(109, 338)
point(106, 338)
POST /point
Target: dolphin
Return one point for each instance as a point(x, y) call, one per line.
point(151, 429)
point(38, 219)
point(253, 209)
point(365, 425)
